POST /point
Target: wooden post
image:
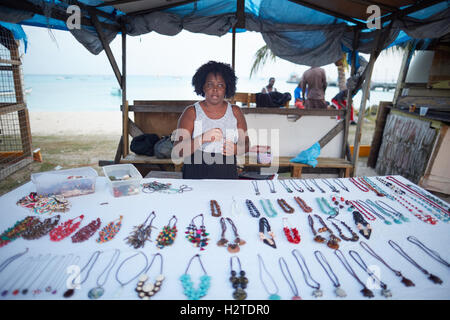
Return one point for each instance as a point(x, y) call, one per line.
point(233, 49)
point(125, 150)
point(125, 140)
point(402, 74)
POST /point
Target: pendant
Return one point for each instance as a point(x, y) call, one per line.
point(387, 222)
point(274, 297)
point(96, 293)
point(407, 282)
point(367, 293)
point(386, 293)
point(68, 293)
point(340, 292)
point(317, 293)
point(397, 221)
point(233, 248)
point(270, 242)
point(435, 279)
point(296, 298)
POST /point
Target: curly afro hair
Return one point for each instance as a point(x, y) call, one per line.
point(225, 70)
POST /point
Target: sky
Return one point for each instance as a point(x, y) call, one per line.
point(58, 52)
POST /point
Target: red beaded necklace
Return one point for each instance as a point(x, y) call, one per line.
point(65, 229)
point(359, 185)
point(295, 236)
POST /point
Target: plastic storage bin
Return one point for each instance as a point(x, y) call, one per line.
point(69, 182)
point(123, 179)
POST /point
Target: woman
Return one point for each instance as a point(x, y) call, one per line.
point(211, 132)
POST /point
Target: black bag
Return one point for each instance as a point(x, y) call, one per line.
point(144, 144)
point(272, 99)
point(163, 148)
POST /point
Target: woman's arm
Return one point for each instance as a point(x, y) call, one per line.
point(243, 144)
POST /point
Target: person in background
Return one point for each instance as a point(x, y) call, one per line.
point(299, 102)
point(340, 102)
point(269, 88)
point(314, 82)
point(211, 132)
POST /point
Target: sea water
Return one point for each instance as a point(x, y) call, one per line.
point(101, 92)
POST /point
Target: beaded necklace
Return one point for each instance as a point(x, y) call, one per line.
point(188, 285)
point(15, 231)
point(414, 210)
point(110, 230)
point(285, 206)
point(147, 290)
point(99, 290)
point(215, 208)
point(431, 198)
point(65, 229)
point(70, 292)
point(197, 236)
point(141, 233)
point(323, 202)
point(359, 185)
point(333, 240)
point(354, 237)
point(41, 228)
point(303, 204)
point(382, 209)
point(330, 273)
point(356, 206)
point(86, 232)
point(317, 185)
point(433, 254)
point(254, 212)
point(232, 247)
point(366, 181)
point(404, 280)
point(290, 280)
point(255, 186)
point(264, 224)
point(317, 293)
point(295, 186)
point(239, 284)
point(291, 234)
point(284, 184)
point(365, 207)
point(167, 235)
point(272, 213)
point(274, 295)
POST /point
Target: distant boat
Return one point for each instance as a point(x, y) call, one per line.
point(59, 78)
point(294, 78)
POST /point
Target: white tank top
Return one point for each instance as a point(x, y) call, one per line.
point(228, 125)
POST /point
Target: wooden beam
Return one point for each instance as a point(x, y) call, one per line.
point(331, 134)
point(119, 151)
point(116, 2)
point(240, 14)
point(169, 6)
point(133, 129)
point(381, 5)
point(407, 56)
point(401, 13)
point(233, 49)
point(125, 132)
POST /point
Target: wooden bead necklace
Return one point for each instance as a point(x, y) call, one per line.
point(354, 237)
point(296, 186)
point(215, 208)
point(254, 212)
point(317, 293)
point(431, 277)
point(291, 234)
point(290, 280)
point(303, 205)
point(70, 292)
point(86, 232)
point(167, 235)
point(239, 283)
point(65, 229)
point(99, 290)
point(188, 285)
point(330, 273)
point(333, 240)
point(110, 230)
point(272, 295)
point(272, 212)
point(285, 206)
point(405, 281)
point(41, 228)
point(141, 233)
point(264, 224)
point(197, 236)
point(147, 290)
point(231, 247)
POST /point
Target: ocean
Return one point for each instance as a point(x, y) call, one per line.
point(100, 92)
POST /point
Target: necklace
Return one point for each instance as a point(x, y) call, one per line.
point(254, 212)
point(362, 225)
point(272, 213)
point(110, 230)
point(387, 210)
point(333, 188)
point(433, 254)
point(141, 233)
point(36, 291)
point(197, 236)
point(32, 271)
point(431, 277)
point(123, 284)
point(355, 256)
point(317, 185)
point(366, 181)
point(232, 247)
point(323, 202)
point(285, 206)
point(295, 185)
point(61, 272)
point(21, 270)
point(431, 198)
point(271, 186)
point(50, 274)
point(333, 240)
point(341, 184)
point(167, 235)
point(215, 208)
point(74, 286)
point(274, 295)
point(303, 204)
point(284, 184)
point(369, 216)
point(41, 228)
point(99, 290)
point(317, 293)
point(188, 285)
point(239, 284)
point(86, 232)
point(147, 290)
point(365, 291)
point(404, 280)
point(354, 237)
point(295, 237)
point(307, 186)
point(65, 229)
point(15, 231)
point(370, 205)
point(359, 185)
point(264, 224)
point(7, 261)
point(290, 280)
point(330, 273)
point(418, 213)
point(255, 186)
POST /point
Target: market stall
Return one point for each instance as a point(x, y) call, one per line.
point(111, 267)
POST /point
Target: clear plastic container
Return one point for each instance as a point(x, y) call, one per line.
point(123, 179)
point(69, 182)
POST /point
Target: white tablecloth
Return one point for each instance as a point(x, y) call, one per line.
point(217, 259)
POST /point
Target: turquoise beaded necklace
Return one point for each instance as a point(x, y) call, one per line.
point(272, 212)
point(188, 285)
point(331, 211)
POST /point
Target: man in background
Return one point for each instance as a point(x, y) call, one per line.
point(314, 82)
point(269, 88)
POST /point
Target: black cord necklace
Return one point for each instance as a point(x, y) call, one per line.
point(98, 291)
point(404, 280)
point(123, 284)
point(355, 256)
point(317, 185)
point(317, 293)
point(295, 185)
point(255, 186)
point(271, 186)
point(290, 280)
point(365, 291)
point(340, 184)
point(433, 254)
point(431, 277)
point(7, 261)
point(333, 188)
point(334, 279)
point(310, 189)
point(284, 184)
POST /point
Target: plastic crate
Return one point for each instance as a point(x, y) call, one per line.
point(117, 184)
point(69, 182)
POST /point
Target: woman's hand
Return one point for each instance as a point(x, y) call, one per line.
point(212, 135)
point(229, 148)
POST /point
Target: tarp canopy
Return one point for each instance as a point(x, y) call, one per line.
point(307, 32)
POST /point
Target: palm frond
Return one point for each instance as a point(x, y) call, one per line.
point(261, 57)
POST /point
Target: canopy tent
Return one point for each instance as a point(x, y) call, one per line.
point(307, 32)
